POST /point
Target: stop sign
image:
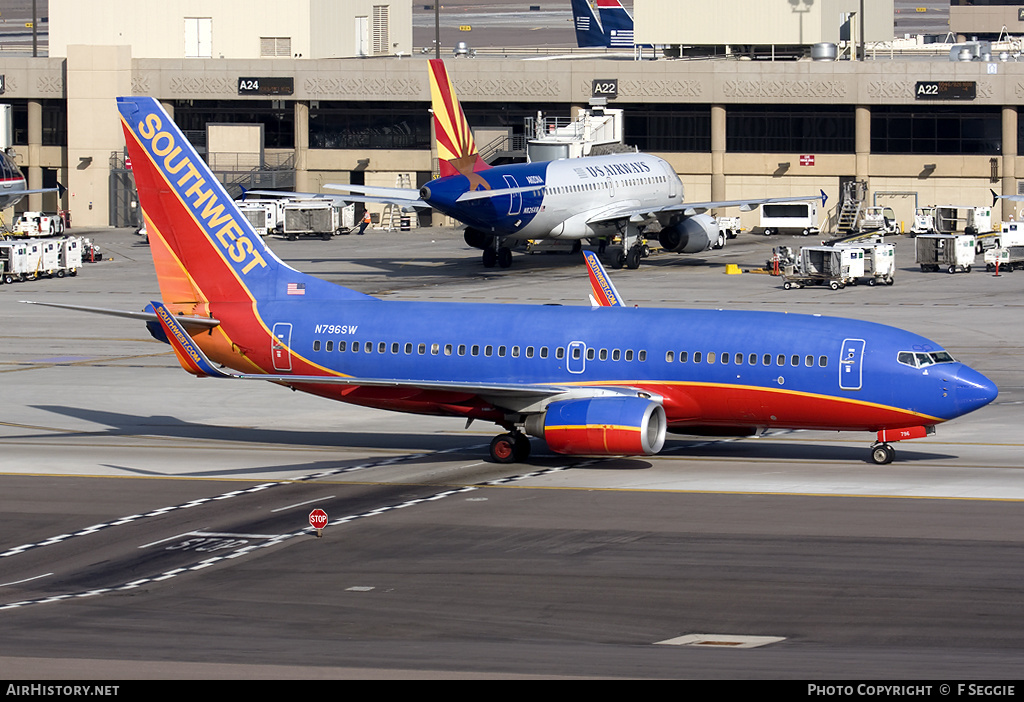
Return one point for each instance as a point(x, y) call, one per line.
point(318, 518)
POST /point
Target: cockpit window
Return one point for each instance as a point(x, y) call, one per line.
point(919, 359)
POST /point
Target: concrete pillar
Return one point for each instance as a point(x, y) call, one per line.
point(718, 152)
point(96, 76)
point(1009, 161)
point(862, 143)
point(34, 172)
point(302, 181)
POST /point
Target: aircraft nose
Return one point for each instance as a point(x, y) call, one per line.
point(972, 390)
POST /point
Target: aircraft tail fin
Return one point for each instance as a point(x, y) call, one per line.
point(603, 292)
point(456, 149)
point(617, 24)
point(204, 250)
point(588, 28)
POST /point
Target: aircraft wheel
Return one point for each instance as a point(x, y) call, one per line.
point(503, 448)
point(882, 454)
point(633, 258)
point(618, 259)
point(490, 258)
point(504, 257)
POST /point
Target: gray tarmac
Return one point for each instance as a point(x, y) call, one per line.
point(154, 525)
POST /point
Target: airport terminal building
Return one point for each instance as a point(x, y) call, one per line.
point(313, 94)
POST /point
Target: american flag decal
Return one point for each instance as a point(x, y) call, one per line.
point(296, 288)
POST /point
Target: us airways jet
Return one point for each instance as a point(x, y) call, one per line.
point(602, 380)
point(614, 30)
point(567, 199)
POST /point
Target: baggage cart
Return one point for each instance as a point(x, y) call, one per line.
point(948, 252)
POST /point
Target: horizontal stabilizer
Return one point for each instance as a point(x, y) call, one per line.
point(197, 323)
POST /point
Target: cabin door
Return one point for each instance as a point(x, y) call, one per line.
point(515, 203)
point(279, 352)
point(851, 364)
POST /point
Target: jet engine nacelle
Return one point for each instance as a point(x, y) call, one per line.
point(602, 426)
point(477, 239)
point(692, 235)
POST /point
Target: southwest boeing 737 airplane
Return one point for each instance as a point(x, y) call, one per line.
point(567, 199)
point(603, 380)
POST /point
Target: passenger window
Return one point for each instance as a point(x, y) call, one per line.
point(421, 349)
point(641, 355)
point(355, 347)
point(474, 350)
point(629, 354)
point(382, 347)
point(590, 354)
point(501, 352)
point(394, 348)
point(697, 356)
point(543, 351)
point(330, 346)
point(560, 353)
point(780, 360)
point(794, 360)
point(683, 356)
point(529, 352)
point(603, 355)
point(515, 352)
point(711, 357)
point(408, 349)
point(434, 348)
point(462, 349)
point(316, 345)
point(342, 345)
point(725, 358)
point(669, 357)
point(616, 354)
point(739, 359)
point(488, 350)
point(809, 361)
point(368, 347)
point(447, 349)
point(766, 359)
point(822, 361)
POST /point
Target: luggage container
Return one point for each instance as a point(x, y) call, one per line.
point(22, 259)
point(790, 217)
point(313, 218)
point(265, 216)
point(70, 256)
point(833, 266)
point(949, 252)
point(879, 262)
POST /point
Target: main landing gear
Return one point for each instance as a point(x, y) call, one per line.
point(882, 453)
point(513, 447)
point(633, 249)
point(500, 256)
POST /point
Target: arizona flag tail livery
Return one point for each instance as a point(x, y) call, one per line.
point(456, 150)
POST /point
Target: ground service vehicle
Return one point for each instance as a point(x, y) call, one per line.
point(949, 252)
point(790, 217)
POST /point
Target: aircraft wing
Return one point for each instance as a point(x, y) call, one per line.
point(405, 197)
point(638, 213)
point(1012, 198)
point(407, 203)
